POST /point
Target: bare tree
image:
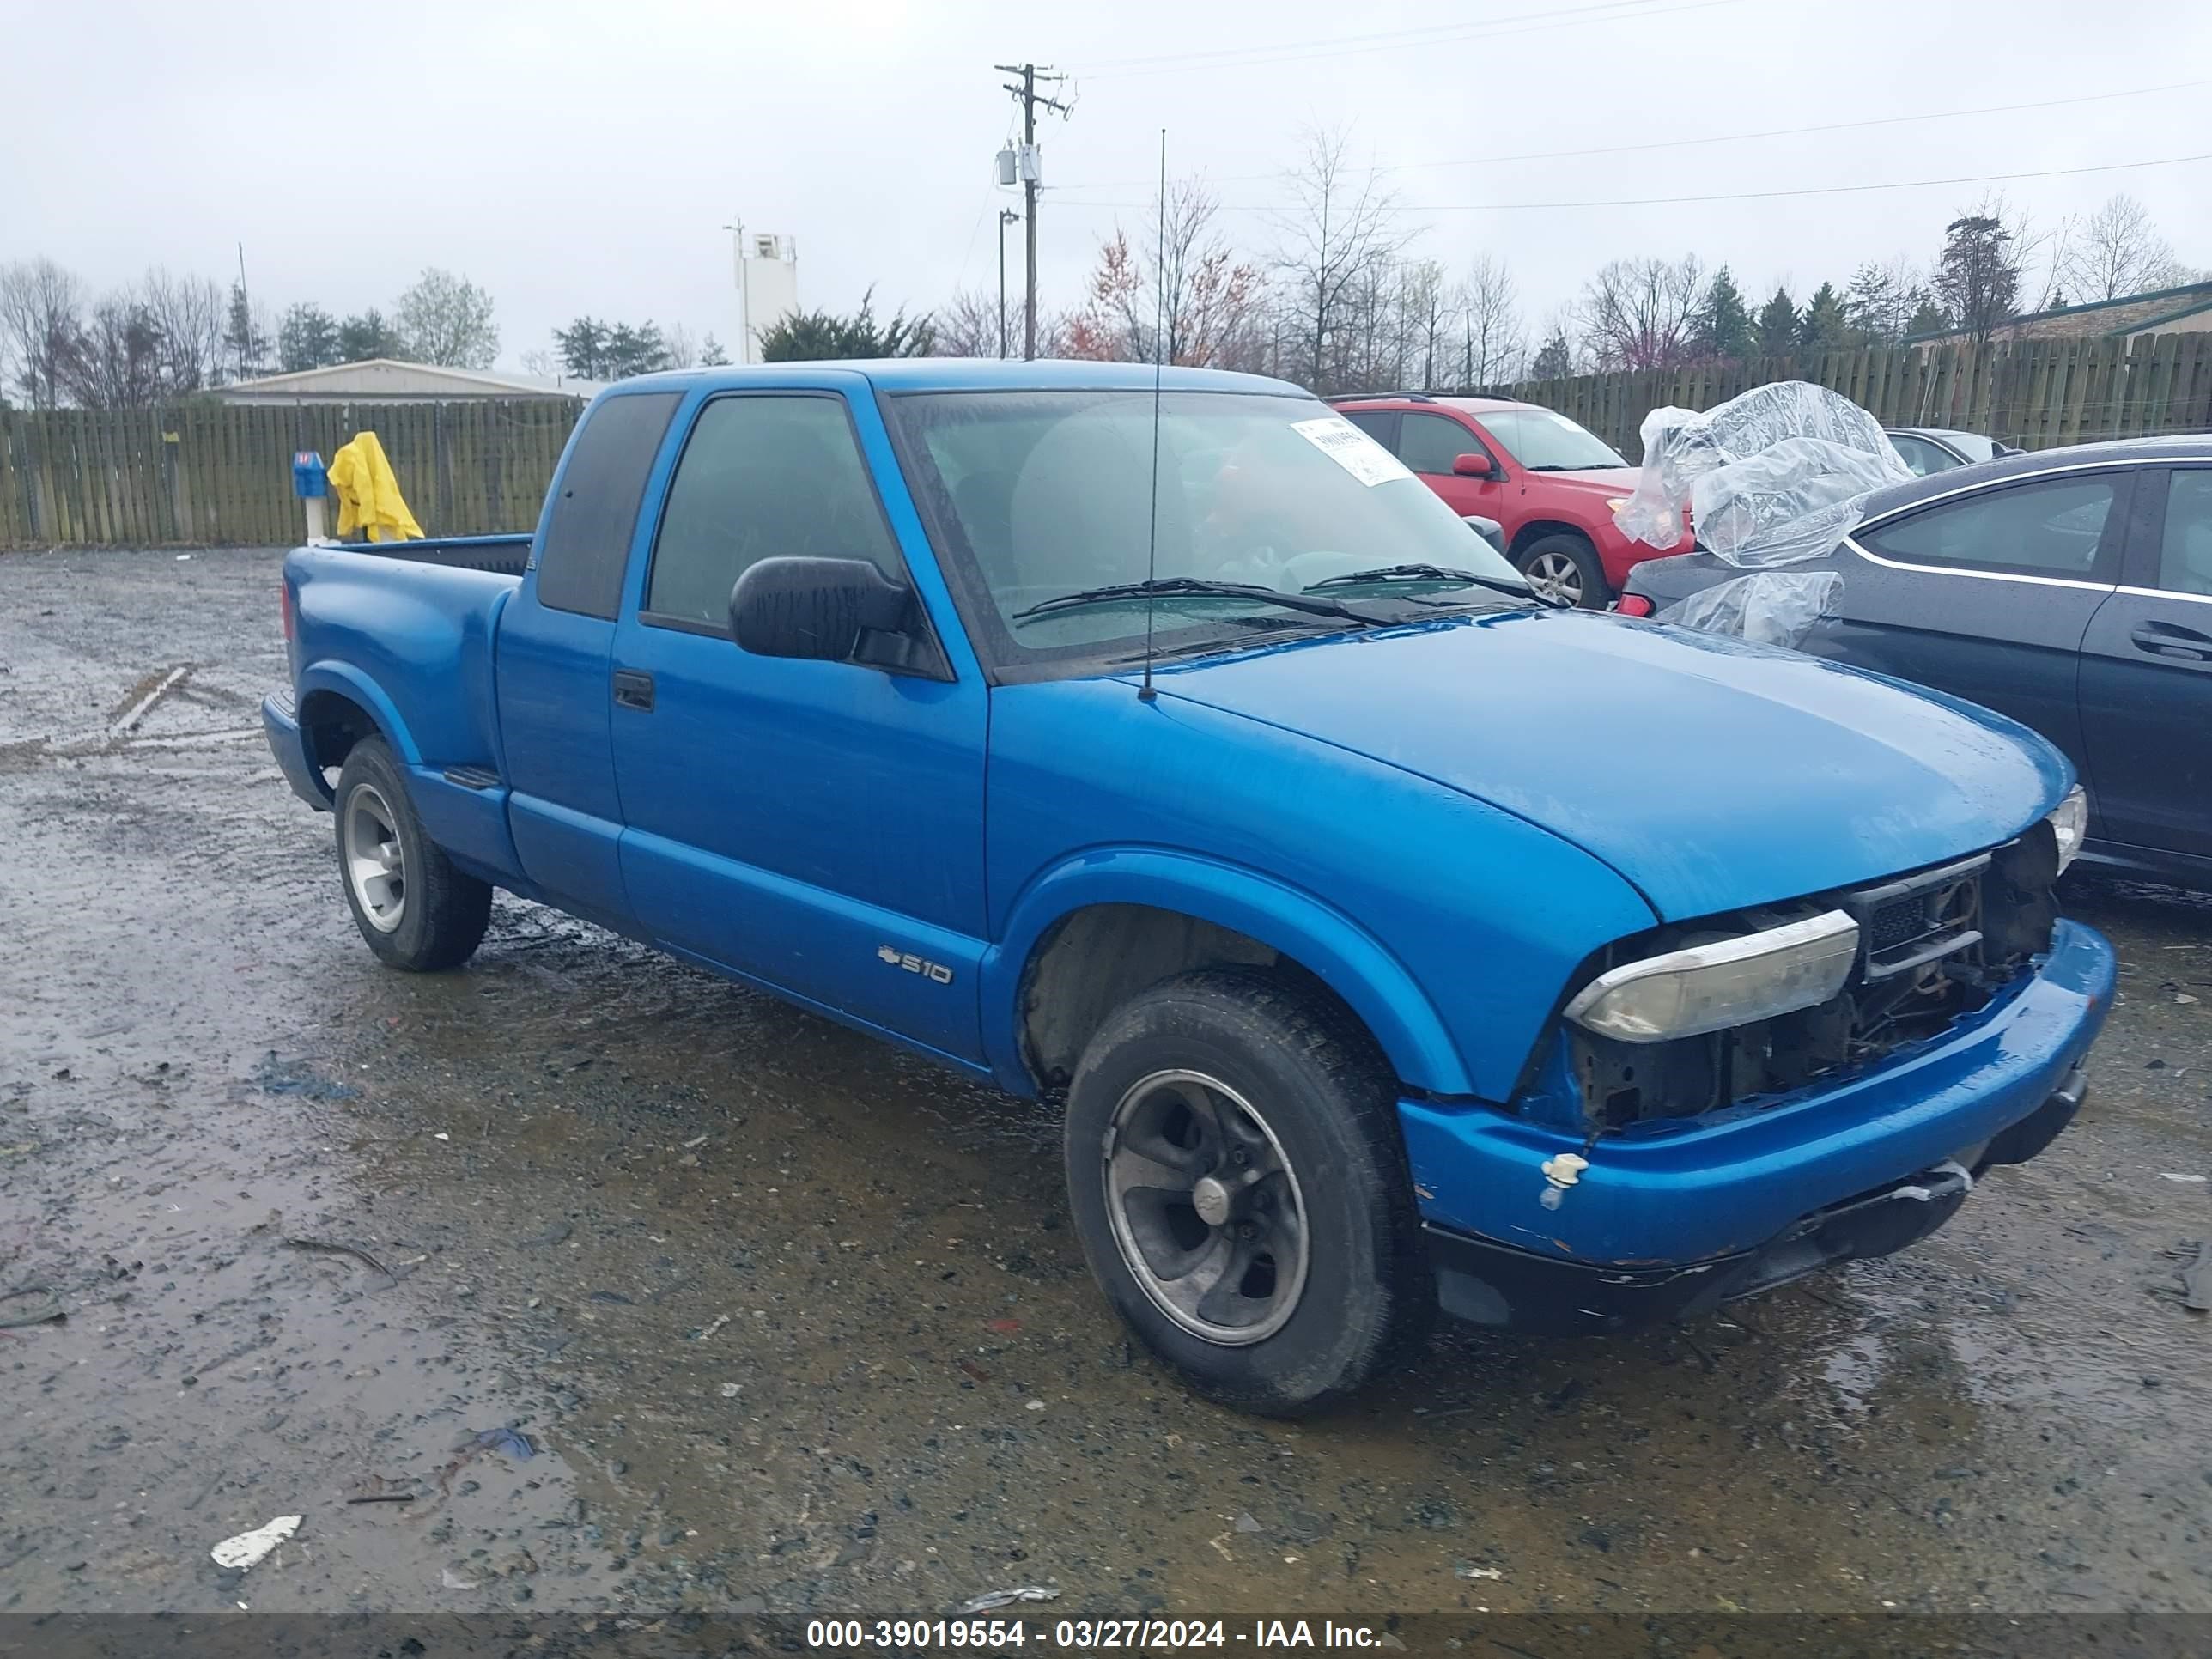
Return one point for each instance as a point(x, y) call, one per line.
point(192, 318)
point(1491, 341)
point(968, 324)
point(1184, 281)
point(1640, 313)
point(117, 362)
point(680, 349)
point(448, 319)
point(42, 319)
point(1343, 230)
point(1883, 300)
point(2118, 251)
point(1425, 316)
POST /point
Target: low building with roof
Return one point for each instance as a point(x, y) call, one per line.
point(2183, 310)
point(391, 380)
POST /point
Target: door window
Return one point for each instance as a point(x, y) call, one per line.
point(1380, 424)
point(1923, 457)
point(761, 477)
point(2053, 529)
point(1430, 443)
point(2185, 554)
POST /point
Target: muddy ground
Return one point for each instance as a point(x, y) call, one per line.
point(789, 1321)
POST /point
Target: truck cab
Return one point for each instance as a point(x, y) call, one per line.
point(1152, 748)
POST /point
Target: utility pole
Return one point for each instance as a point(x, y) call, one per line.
point(1030, 98)
point(1007, 216)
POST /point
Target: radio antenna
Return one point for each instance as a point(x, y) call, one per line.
point(1145, 693)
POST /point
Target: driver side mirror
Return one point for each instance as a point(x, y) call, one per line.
point(1474, 467)
point(816, 608)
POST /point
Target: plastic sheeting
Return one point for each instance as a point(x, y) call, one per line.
point(1772, 477)
point(1768, 607)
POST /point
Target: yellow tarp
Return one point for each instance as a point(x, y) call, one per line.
point(368, 495)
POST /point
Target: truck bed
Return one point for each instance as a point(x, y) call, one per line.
point(504, 555)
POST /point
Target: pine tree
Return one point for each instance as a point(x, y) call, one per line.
point(1823, 327)
point(1977, 274)
point(1775, 334)
point(1723, 327)
point(583, 348)
point(246, 339)
point(1555, 361)
point(366, 335)
point(306, 337)
point(1929, 318)
point(711, 354)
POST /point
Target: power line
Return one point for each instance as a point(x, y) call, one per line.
point(1300, 51)
point(1381, 39)
point(1723, 196)
point(1717, 138)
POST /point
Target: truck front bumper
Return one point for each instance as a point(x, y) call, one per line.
point(1683, 1214)
point(281, 726)
point(1488, 1283)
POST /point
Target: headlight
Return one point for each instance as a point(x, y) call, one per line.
point(2069, 822)
point(1709, 987)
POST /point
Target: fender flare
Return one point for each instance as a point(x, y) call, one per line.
point(351, 683)
point(1350, 960)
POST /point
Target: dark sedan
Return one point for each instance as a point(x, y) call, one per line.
point(2071, 589)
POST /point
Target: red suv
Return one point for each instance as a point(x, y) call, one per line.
point(1552, 486)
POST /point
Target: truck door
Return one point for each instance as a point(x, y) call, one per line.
point(814, 826)
point(555, 640)
point(2147, 675)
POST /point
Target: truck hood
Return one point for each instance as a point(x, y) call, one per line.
point(1709, 773)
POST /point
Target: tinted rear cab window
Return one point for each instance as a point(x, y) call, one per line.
point(587, 533)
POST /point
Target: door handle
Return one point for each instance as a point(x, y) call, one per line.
point(2171, 639)
point(634, 690)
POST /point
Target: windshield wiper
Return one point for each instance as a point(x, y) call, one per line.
point(1436, 573)
point(1197, 586)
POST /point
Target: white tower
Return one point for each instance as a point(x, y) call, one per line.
point(767, 285)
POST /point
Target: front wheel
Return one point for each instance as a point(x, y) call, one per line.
point(1564, 567)
point(1239, 1184)
point(415, 909)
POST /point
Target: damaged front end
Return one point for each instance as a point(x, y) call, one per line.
point(1866, 971)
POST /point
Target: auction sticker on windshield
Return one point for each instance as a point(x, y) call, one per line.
point(1351, 449)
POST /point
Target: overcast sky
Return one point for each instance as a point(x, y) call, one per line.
point(584, 158)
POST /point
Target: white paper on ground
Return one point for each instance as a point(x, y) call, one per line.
point(249, 1547)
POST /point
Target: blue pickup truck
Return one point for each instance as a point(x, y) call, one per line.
point(1173, 754)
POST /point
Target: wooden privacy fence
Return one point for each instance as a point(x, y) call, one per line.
point(2034, 393)
point(209, 474)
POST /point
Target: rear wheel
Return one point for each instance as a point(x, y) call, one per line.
point(1239, 1184)
point(414, 909)
point(1566, 567)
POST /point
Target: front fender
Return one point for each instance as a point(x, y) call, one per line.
point(1350, 960)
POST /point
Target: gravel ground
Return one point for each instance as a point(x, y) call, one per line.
point(782, 1319)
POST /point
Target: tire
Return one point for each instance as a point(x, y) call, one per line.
point(1566, 565)
point(414, 909)
point(1221, 1066)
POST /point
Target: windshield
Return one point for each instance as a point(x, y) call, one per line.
point(1544, 442)
point(1051, 494)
